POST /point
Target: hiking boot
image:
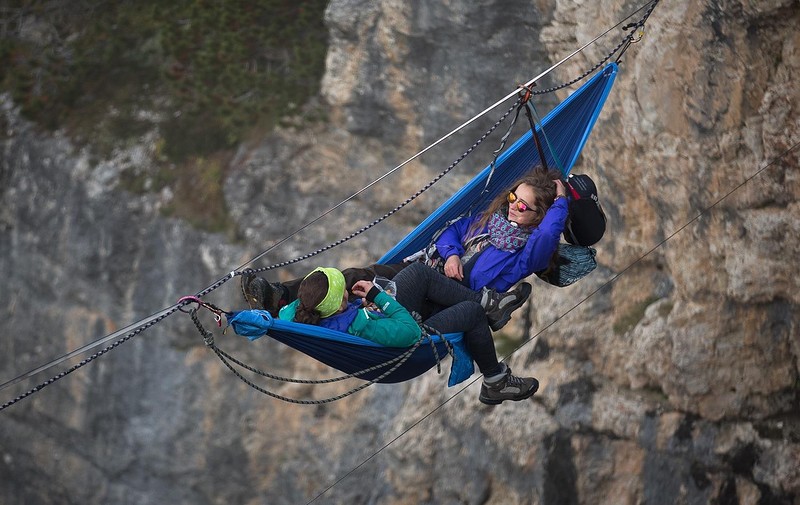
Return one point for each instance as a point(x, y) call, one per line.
point(495, 390)
point(261, 294)
point(499, 306)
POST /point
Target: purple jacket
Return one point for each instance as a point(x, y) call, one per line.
point(502, 269)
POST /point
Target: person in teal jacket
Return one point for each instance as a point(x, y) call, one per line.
point(323, 300)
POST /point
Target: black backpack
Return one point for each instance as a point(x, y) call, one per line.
point(587, 221)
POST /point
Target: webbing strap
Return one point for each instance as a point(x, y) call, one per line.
point(536, 136)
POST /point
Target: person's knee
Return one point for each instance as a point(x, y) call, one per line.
point(476, 307)
point(473, 313)
point(417, 268)
point(416, 271)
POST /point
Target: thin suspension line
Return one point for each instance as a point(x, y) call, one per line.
point(130, 328)
point(172, 309)
point(463, 125)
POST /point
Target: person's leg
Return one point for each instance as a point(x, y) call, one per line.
point(264, 295)
point(499, 384)
point(419, 286)
point(469, 318)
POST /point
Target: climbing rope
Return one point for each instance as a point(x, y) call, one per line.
point(142, 325)
point(226, 359)
point(139, 329)
point(621, 48)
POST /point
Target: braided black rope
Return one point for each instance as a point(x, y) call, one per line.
point(391, 212)
point(91, 358)
point(623, 45)
point(208, 338)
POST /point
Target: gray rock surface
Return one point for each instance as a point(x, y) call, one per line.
point(674, 379)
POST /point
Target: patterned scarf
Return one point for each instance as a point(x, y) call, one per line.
point(505, 236)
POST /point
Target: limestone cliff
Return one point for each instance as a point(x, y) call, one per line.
point(669, 375)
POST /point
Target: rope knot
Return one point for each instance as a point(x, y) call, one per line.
point(525, 92)
point(218, 312)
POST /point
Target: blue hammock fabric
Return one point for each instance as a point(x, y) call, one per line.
point(567, 128)
point(351, 354)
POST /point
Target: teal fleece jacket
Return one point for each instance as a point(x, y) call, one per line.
point(395, 327)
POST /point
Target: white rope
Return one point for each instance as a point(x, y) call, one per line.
point(442, 139)
point(137, 326)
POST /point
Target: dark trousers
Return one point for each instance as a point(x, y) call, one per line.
point(420, 287)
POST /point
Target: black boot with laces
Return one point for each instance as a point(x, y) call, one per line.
point(502, 387)
point(264, 295)
point(499, 306)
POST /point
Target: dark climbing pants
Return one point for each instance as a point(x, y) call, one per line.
point(420, 287)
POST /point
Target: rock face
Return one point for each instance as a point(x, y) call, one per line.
point(674, 379)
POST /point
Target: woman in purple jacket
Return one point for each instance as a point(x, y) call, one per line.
point(514, 237)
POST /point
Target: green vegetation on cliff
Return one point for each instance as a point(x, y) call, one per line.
point(207, 74)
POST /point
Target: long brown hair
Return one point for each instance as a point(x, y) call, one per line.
point(543, 186)
point(311, 292)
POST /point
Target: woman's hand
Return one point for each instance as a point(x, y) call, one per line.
point(453, 268)
point(561, 190)
point(361, 288)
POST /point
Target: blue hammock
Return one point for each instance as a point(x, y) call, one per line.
point(567, 128)
point(352, 354)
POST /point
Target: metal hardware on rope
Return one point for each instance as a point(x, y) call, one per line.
point(525, 92)
point(637, 28)
point(625, 42)
point(218, 312)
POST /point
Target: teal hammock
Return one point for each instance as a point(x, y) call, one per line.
point(567, 129)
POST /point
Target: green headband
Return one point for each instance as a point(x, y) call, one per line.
point(333, 299)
